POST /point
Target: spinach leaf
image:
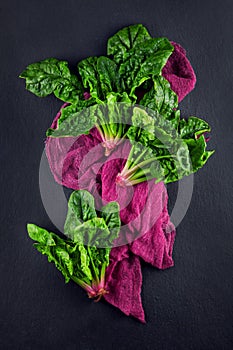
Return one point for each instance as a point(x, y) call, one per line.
point(70, 91)
point(110, 214)
point(81, 207)
point(52, 75)
point(161, 97)
point(125, 39)
point(88, 70)
point(193, 127)
point(108, 76)
point(54, 247)
point(144, 61)
point(75, 120)
point(100, 76)
point(159, 150)
point(85, 264)
point(83, 225)
point(198, 153)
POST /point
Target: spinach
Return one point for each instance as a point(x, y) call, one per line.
point(143, 61)
point(75, 120)
point(125, 39)
point(100, 76)
point(111, 119)
point(162, 152)
point(174, 147)
point(193, 127)
point(52, 76)
point(160, 97)
point(85, 264)
point(136, 57)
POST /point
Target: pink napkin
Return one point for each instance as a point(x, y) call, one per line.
point(179, 72)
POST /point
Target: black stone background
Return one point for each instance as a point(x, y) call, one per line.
point(188, 306)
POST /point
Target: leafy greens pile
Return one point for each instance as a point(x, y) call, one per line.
point(85, 263)
point(123, 96)
point(135, 60)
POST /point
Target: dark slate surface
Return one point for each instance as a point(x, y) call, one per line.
point(188, 306)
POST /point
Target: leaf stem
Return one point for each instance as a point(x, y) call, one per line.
point(138, 174)
point(138, 158)
point(96, 277)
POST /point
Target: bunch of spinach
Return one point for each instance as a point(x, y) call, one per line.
point(84, 254)
point(133, 59)
point(175, 147)
point(164, 149)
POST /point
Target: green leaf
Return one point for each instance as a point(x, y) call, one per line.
point(71, 91)
point(108, 76)
point(75, 120)
point(163, 154)
point(161, 97)
point(40, 235)
point(81, 208)
point(100, 75)
point(192, 127)
point(90, 77)
point(54, 247)
point(85, 261)
point(198, 153)
point(142, 119)
point(93, 232)
point(51, 75)
point(126, 39)
point(64, 259)
point(183, 159)
point(110, 214)
point(82, 224)
point(83, 264)
point(144, 61)
point(174, 119)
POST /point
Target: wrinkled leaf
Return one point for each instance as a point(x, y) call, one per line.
point(40, 235)
point(161, 97)
point(108, 75)
point(125, 39)
point(192, 127)
point(52, 75)
point(144, 61)
point(75, 121)
point(81, 208)
point(110, 214)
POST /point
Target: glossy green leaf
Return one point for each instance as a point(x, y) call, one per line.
point(88, 70)
point(71, 91)
point(198, 153)
point(81, 208)
point(110, 214)
point(51, 75)
point(161, 97)
point(75, 121)
point(125, 39)
point(40, 235)
point(144, 61)
point(192, 127)
point(108, 76)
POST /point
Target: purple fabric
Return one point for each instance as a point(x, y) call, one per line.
point(124, 281)
point(66, 154)
point(144, 216)
point(80, 163)
point(179, 72)
point(156, 246)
